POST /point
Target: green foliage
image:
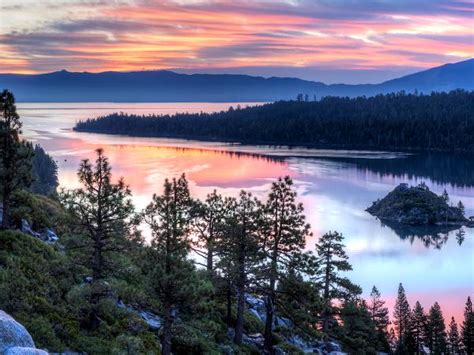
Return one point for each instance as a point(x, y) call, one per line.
point(15, 155)
point(402, 318)
point(419, 325)
point(379, 316)
point(284, 235)
point(38, 287)
point(440, 121)
point(454, 341)
point(436, 330)
point(45, 173)
point(102, 216)
point(358, 332)
point(40, 211)
point(467, 330)
point(333, 260)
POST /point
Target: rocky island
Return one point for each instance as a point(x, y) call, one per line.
point(418, 206)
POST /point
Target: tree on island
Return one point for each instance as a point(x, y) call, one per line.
point(15, 155)
point(332, 259)
point(445, 196)
point(102, 214)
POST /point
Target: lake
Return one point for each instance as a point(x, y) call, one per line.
point(335, 187)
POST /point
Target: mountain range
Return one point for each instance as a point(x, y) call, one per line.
point(168, 86)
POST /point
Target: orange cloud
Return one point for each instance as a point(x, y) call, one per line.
point(136, 35)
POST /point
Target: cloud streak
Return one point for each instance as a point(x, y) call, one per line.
point(194, 35)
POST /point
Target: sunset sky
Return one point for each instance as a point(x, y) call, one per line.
point(332, 41)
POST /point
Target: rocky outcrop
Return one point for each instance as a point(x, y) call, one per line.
point(256, 306)
point(47, 235)
point(153, 320)
point(15, 339)
point(18, 350)
point(417, 206)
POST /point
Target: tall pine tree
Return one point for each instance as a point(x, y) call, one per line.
point(170, 274)
point(333, 259)
point(402, 317)
point(379, 315)
point(239, 249)
point(102, 214)
point(285, 234)
point(358, 333)
point(467, 334)
point(208, 220)
point(436, 330)
point(418, 324)
point(15, 155)
point(454, 341)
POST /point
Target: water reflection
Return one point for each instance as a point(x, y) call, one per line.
point(430, 236)
point(334, 186)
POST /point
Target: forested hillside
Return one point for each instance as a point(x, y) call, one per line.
point(440, 121)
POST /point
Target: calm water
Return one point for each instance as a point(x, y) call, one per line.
point(334, 186)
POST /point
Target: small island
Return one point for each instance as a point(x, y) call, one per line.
point(418, 206)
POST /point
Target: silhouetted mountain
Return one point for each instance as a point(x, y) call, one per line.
point(162, 86)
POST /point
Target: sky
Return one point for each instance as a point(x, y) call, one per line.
point(350, 41)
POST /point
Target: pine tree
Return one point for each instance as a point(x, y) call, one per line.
point(285, 234)
point(171, 275)
point(454, 341)
point(436, 330)
point(467, 334)
point(239, 248)
point(358, 332)
point(402, 315)
point(379, 316)
point(15, 155)
point(103, 215)
point(445, 196)
point(418, 323)
point(392, 340)
point(209, 217)
point(332, 260)
point(461, 207)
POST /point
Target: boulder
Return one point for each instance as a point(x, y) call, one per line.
point(47, 236)
point(19, 350)
point(14, 338)
point(253, 339)
point(153, 320)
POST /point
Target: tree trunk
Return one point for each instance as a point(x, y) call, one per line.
point(167, 323)
point(98, 260)
point(210, 257)
point(229, 303)
point(326, 295)
point(270, 306)
point(6, 209)
point(239, 325)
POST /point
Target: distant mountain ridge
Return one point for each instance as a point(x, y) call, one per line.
point(168, 86)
